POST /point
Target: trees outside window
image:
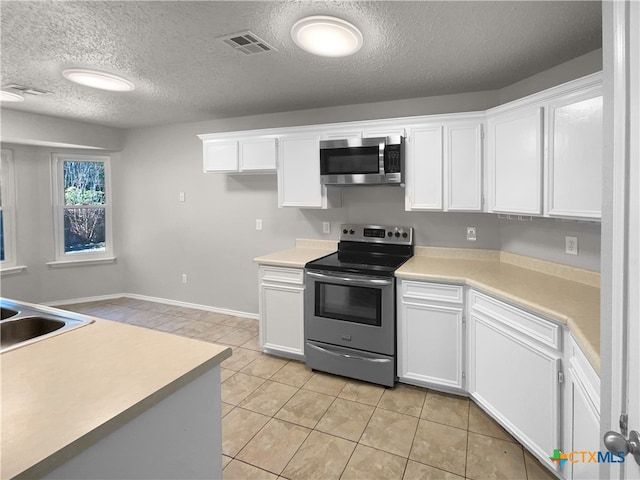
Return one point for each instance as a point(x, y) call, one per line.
point(83, 206)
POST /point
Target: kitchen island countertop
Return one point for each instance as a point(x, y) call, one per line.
point(62, 394)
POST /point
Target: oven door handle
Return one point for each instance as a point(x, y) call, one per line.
point(353, 281)
point(350, 357)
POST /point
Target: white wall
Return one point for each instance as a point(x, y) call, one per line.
point(34, 228)
point(30, 129)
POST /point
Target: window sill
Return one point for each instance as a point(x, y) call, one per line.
point(12, 270)
point(79, 263)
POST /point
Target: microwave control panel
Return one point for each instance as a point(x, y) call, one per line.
point(392, 159)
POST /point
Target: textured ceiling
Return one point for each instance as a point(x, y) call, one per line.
point(182, 73)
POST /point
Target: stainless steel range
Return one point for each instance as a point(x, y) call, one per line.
point(350, 303)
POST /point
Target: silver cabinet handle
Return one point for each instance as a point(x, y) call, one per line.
point(361, 281)
point(351, 357)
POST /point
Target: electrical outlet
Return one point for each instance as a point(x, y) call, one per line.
point(181, 196)
point(471, 234)
point(571, 245)
point(184, 278)
point(258, 224)
point(326, 227)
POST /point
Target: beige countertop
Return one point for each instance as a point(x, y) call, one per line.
point(62, 394)
point(558, 298)
point(567, 295)
point(297, 257)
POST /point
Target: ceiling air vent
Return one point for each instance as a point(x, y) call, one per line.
point(247, 42)
point(25, 89)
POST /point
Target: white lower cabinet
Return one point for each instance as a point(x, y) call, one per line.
point(582, 415)
point(431, 335)
point(515, 371)
point(281, 306)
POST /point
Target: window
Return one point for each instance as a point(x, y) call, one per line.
point(7, 211)
point(82, 208)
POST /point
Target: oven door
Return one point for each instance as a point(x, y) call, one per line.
point(353, 311)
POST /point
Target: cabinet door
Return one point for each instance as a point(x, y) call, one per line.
point(424, 155)
point(430, 345)
point(515, 161)
point(281, 319)
point(220, 156)
point(575, 156)
point(463, 167)
point(516, 381)
point(342, 134)
point(383, 132)
point(258, 154)
point(299, 173)
point(584, 429)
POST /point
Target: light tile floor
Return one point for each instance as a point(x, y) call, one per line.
point(282, 420)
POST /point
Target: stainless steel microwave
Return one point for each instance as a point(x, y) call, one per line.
point(362, 161)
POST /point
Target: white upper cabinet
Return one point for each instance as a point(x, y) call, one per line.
point(383, 131)
point(220, 156)
point(545, 152)
point(342, 134)
point(299, 173)
point(444, 166)
point(253, 154)
point(463, 166)
point(423, 164)
point(574, 168)
point(258, 154)
point(515, 161)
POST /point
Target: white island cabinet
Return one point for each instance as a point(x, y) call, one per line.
point(281, 306)
point(431, 335)
point(515, 371)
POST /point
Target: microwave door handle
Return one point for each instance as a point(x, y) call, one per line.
point(352, 281)
point(351, 357)
point(381, 147)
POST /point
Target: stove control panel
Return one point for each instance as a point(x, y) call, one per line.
point(377, 234)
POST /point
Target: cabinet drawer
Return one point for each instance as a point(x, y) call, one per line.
point(282, 275)
point(533, 326)
point(432, 291)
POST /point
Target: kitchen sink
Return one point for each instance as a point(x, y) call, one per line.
point(25, 328)
point(23, 324)
point(7, 313)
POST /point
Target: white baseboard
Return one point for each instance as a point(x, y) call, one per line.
point(73, 301)
point(167, 301)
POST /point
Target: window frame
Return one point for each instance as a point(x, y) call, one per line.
point(8, 207)
point(62, 258)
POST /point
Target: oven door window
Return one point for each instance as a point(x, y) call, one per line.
point(352, 160)
point(349, 303)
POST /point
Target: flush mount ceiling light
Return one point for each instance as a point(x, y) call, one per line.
point(6, 96)
point(326, 36)
point(97, 79)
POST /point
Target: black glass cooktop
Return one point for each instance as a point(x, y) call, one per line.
point(364, 260)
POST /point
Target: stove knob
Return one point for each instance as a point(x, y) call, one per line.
point(352, 232)
point(397, 234)
point(390, 234)
point(345, 231)
point(404, 235)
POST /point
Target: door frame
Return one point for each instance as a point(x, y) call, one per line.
point(621, 211)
